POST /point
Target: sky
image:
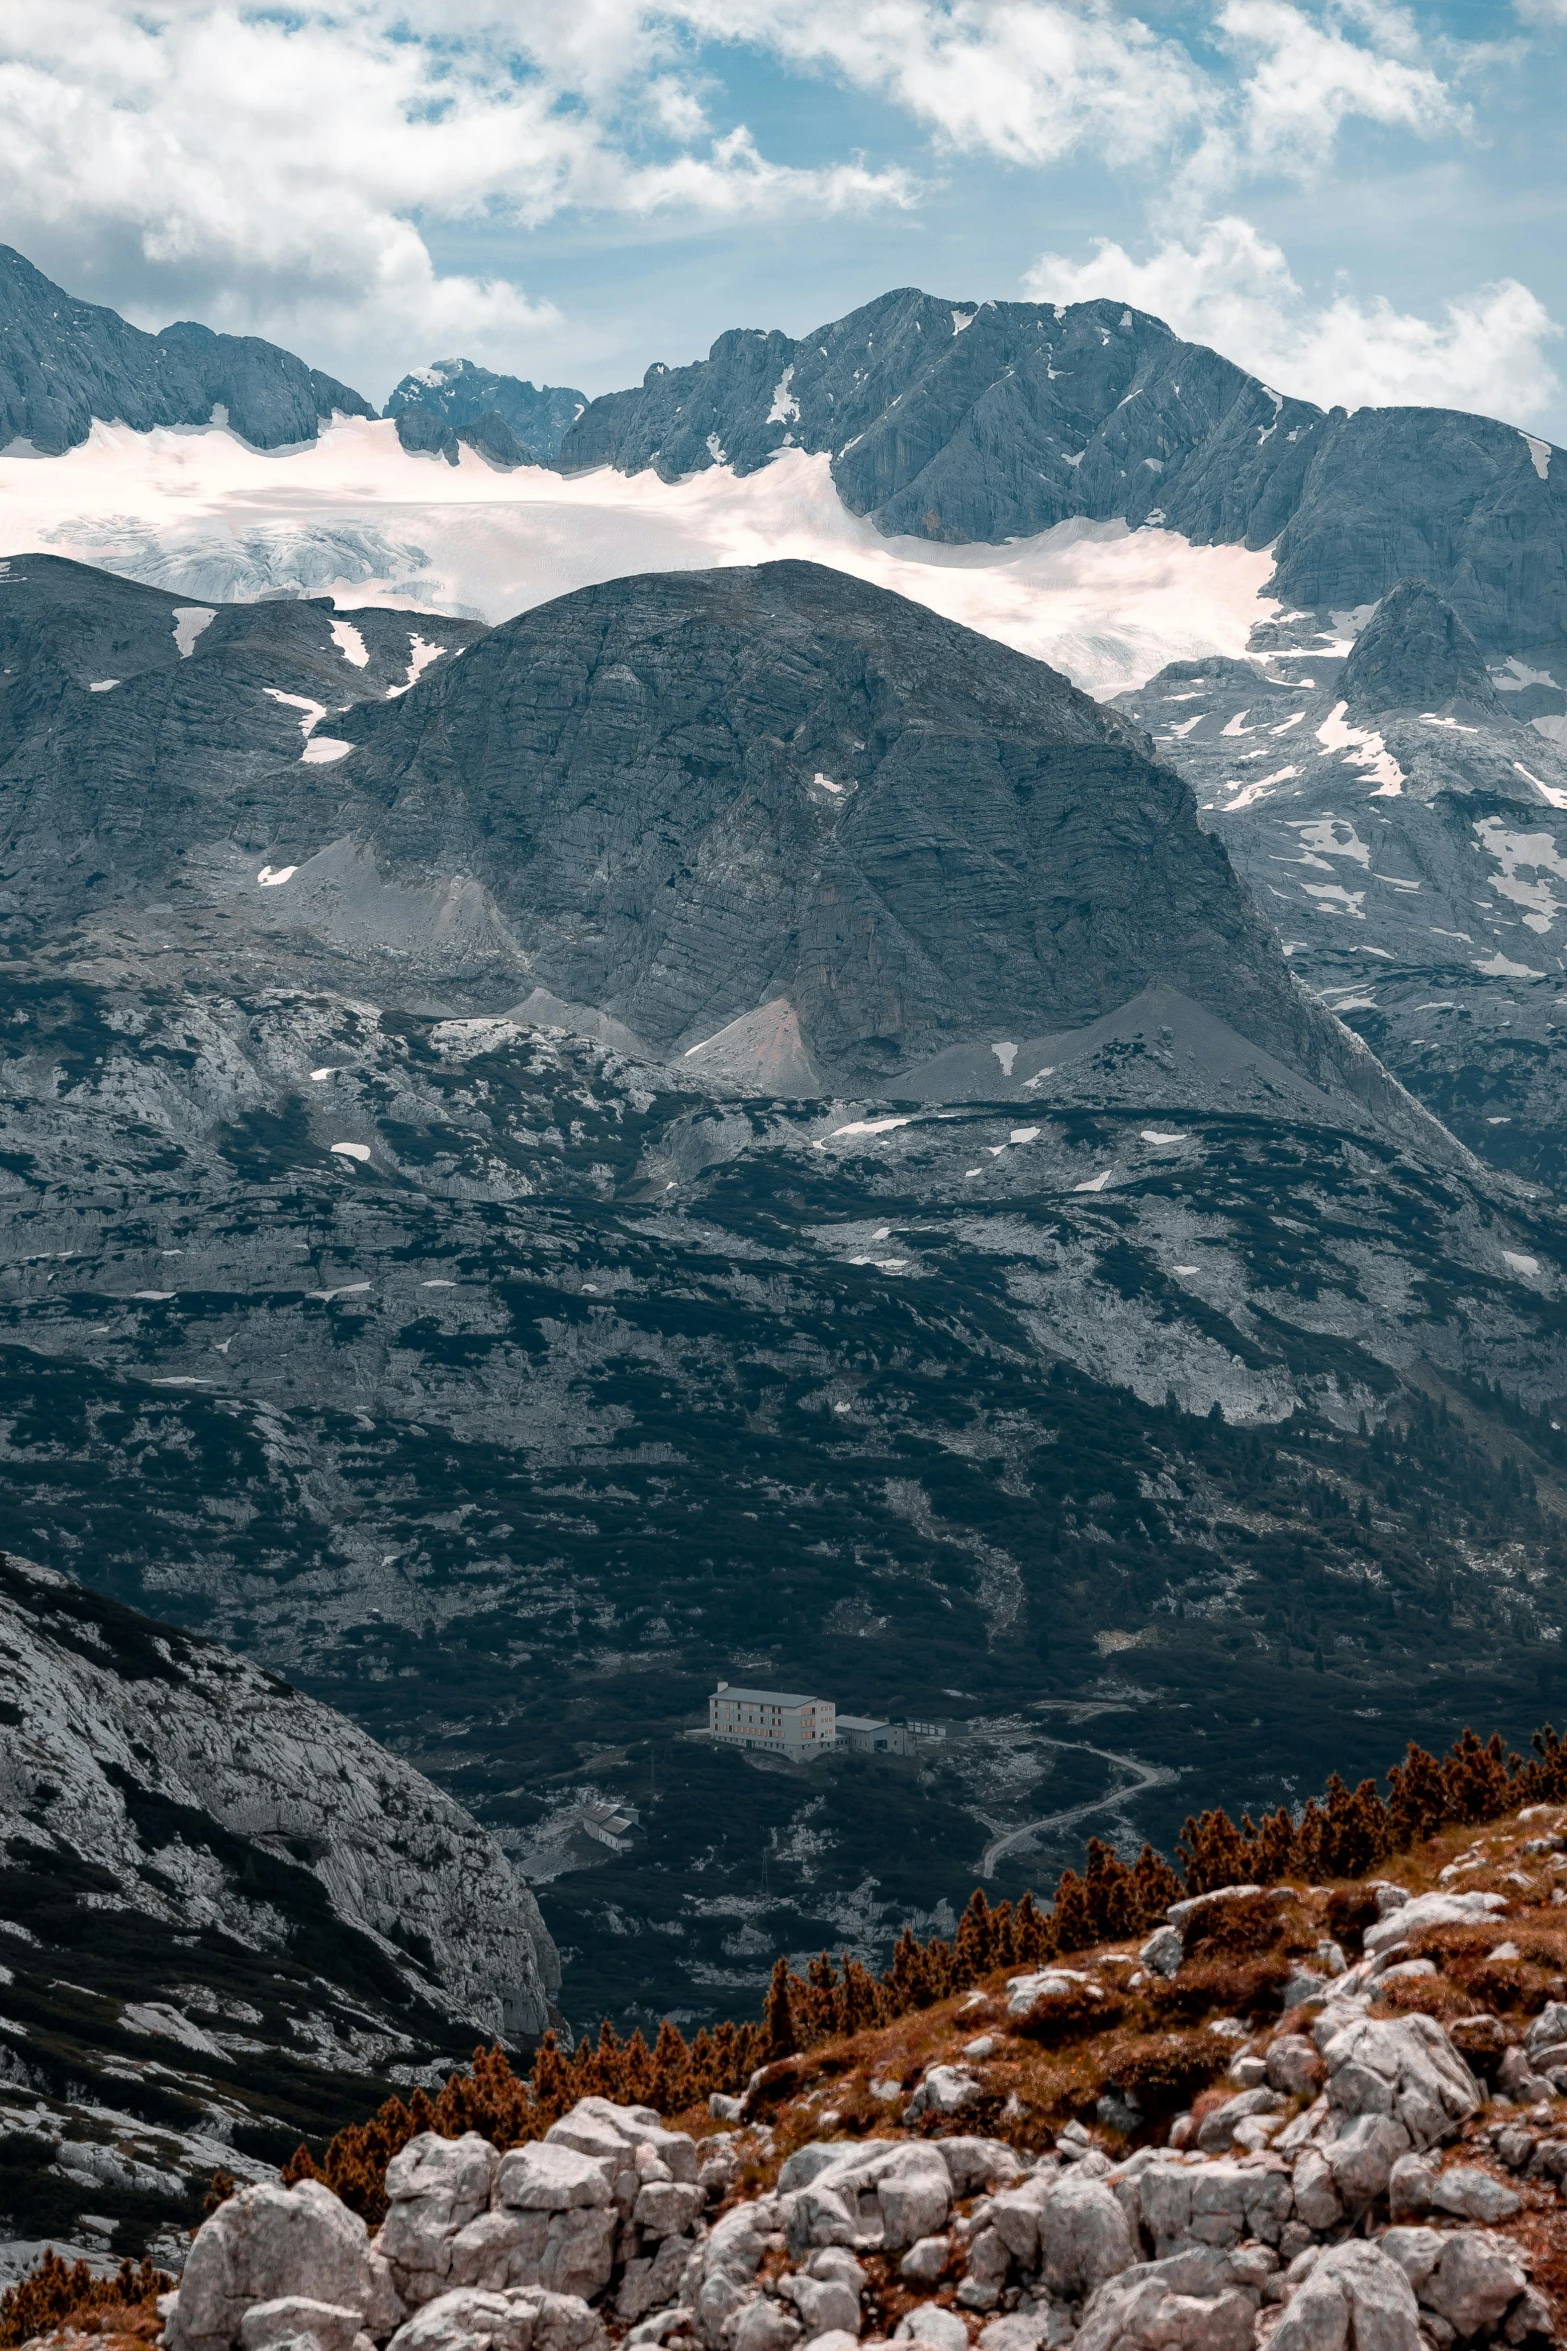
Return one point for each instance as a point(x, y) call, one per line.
point(1360, 201)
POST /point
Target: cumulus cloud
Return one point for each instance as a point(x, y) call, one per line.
point(277, 167)
point(1232, 288)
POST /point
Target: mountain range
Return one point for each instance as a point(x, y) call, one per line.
point(704, 1119)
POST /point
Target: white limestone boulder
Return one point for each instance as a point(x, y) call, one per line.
point(1355, 2299)
point(1190, 2301)
point(270, 2244)
point(434, 2188)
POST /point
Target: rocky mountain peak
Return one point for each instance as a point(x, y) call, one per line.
point(1415, 653)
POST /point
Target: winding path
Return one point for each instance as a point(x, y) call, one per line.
point(1144, 1777)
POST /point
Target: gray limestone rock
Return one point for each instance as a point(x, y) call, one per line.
point(264, 2246)
point(472, 401)
point(1355, 2298)
point(64, 362)
point(1416, 654)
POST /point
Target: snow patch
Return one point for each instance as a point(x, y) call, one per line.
point(1254, 791)
point(859, 1126)
point(1551, 793)
point(1362, 749)
point(1516, 1258)
point(1096, 1183)
point(1518, 854)
point(1157, 1136)
point(1335, 899)
point(1006, 1055)
point(103, 685)
point(322, 749)
point(962, 319)
point(359, 1151)
point(1540, 455)
point(1322, 835)
point(350, 644)
point(785, 408)
point(1499, 967)
point(189, 621)
point(271, 877)
point(420, 655)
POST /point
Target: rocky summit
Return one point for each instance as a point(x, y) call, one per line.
point(65, 362)
point(991, 421)
point(779, 797)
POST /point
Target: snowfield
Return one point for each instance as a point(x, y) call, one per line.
point(355, 516)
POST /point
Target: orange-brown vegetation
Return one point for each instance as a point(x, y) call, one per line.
point(65, 2294)
point(839, 2048)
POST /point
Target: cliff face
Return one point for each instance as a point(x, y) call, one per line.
point(225, 1913)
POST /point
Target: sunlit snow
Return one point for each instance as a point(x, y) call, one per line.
point(355, 516)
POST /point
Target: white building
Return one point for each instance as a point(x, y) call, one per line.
point(778, 1722)
point(609, 1824)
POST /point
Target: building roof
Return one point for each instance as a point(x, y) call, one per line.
point(863, 1722)
point(773, 1697)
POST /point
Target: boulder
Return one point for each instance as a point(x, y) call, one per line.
point(1020, 2330)
point(1293, 2066)
point(914, 2192)
point(1355, 2298)
point(435, 2187)
point(1546, 2040)
point(924, 2261)
point(1014, 2215)
point(1084, 2236)
point(1429, 1910)
point(323, 2326)
point(549, 2177)
point(649, 2282)
point(467, 2321)
point(1161, 1954)
point(1469, 2194)
point(766, 2326)
point(1216, 2131)
point(1212, 2204)
point(1360, 2158)
point(666, 2208)
point(929, 2323)
point(270, 2244)
point(946, 2089)
point(1473, 2283)
point(1409, 2188)
point(825, 2305)
point(973, 2164)
point(497, 2251)
point(1405, 2066)
point(1189, 2301)
point(1317, 2203)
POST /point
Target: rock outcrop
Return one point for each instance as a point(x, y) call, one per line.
point(64, 362)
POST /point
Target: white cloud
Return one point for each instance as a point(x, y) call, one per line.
point(1029, 81)
point(1232, 288)
point(274, 169)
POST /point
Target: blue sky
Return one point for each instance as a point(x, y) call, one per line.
point(1360, 200)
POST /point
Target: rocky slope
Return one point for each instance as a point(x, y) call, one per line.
point(1398, 810)
point(992, 421)
point(1322, 2114)
point(64, 362)
point(226, 1914)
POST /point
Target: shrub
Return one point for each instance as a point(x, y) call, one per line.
point(59, 2293)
